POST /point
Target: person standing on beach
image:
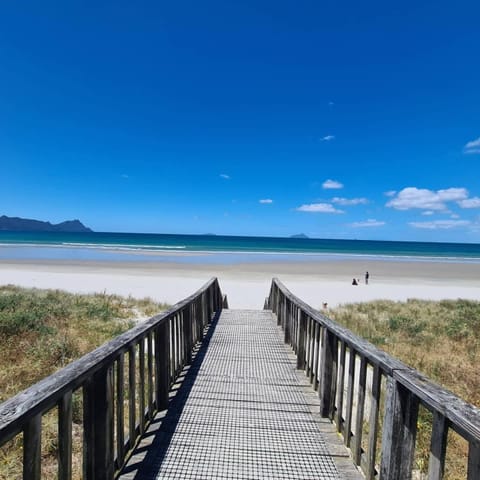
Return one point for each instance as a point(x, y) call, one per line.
point(367, 276)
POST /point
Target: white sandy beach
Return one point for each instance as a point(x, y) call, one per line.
point(247, 284)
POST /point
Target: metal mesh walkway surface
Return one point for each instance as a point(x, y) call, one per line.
point(240, 412)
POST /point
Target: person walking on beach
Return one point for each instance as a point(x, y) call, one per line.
point(367, 276)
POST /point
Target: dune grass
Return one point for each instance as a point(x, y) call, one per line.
point(440, 339)
point(41, 331)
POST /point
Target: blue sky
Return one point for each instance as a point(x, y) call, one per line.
point(336, 119)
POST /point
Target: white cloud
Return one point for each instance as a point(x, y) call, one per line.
point(331, 184)
point(440, 224)
point(349, 201)
point(225, 176)
point(454, 215)
point(327, 138)
point(390, 193)
point(319, 208)
point(472, 147)
point(368, 223)
point(412, 197)
point(428, 212)
point(473, 202)
point(266, 200)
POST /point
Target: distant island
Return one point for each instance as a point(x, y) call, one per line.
point(299, 235)
point(17, 224)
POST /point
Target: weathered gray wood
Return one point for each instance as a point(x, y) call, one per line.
point(162, 355)
point(340, 387)
point(150, 406)
point(438, 447)
point(399, 432)
point(373, 425)
point(329, 350)
point(186, 336)
point(65, 437)
point(302, 324)
point(98, 426)
point(141, 385)
point(463, 417)
point(132, 386)
point(362, 381)
point(308, 370)
point(473, 461)
point(347, 433)
point(32, 449)
point(88, 430)
point(288, 322)
point(316, 354)
point(120, 409)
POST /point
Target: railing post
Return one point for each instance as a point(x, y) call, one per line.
point(120, 409)
point(302, 326)
point(288, 321)
point(187, 335)
point(327, 375)
point(65, 437)
point(98, 426)
point(473, 460)
point(162, 364)
point(438, 447)
point(32, 448)
point(399, 432)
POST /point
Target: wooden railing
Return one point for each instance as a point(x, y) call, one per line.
point(350, 374)
point(116, 399)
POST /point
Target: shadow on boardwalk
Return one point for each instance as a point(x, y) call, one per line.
point(147, 458)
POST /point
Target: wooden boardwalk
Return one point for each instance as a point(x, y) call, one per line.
point(242, 411)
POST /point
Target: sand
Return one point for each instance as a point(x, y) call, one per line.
point(247, 284)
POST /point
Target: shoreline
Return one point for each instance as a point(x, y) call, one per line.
point(247, 284)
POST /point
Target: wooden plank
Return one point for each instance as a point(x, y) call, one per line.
point(326, 373)
point(132, 386)
point(438, 447)
point(120, 410)
point(188, 334)
point(162, 359)
point(341, 387)
point(150, 406)
point(370, 472)
point(287, 325)
point(301, 340)
point(32, 449)
point(141, 385)
point(347, 433)
point(399, 432)
point(65, 437)
point(316, 356)
point(473, 461)
point(88, 430)
point(362, 381)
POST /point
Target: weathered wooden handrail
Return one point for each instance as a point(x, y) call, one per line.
point(165, 341)
point(330, 355)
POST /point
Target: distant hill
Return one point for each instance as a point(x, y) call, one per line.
point(298, 235)
point(16, 224)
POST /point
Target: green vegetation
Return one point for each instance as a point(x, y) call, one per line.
point(441, 339)
point(41, 331)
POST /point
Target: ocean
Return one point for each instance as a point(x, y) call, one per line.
point(128, 247)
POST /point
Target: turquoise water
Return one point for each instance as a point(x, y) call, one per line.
point(159, 247)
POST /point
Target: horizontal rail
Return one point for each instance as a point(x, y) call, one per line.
point(156, 350)
point(357, 383)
